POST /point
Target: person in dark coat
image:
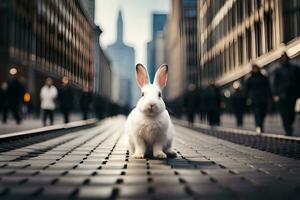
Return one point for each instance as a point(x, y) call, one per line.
point(258, 91)
point(85, 101)
point(15, 93)
point(213, 104)
point(286, 91)
point(3, 99)
point(66, 99)
point(191, 103)
point(238, 104)
point(201, 104)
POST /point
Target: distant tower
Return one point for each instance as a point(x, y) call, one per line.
point(158, 23)
point(120, 28)
point(123, 63)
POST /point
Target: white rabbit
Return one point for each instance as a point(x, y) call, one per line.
point(148, 126)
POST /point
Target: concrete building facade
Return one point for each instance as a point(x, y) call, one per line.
point(235, 33)
point(180, 40)
point(49, 39)
point(46, 38)
point(102, 73)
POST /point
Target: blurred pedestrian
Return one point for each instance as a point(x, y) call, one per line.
point(3, 100)
point(201, 104)
point(66, 99)
point(48, 95)
point(15, 92)
point(286, 91)
point(191, 103)
point(85, 101)
point(213, 104)
point(258, 91)
point(238, 103)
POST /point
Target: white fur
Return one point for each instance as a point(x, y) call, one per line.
point(150, 129)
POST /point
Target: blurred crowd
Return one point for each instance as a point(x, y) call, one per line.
point(257, 95)
point(16, 100)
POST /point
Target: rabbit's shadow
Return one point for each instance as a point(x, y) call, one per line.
point(183, 163)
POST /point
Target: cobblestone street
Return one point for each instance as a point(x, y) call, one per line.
point(94, 164)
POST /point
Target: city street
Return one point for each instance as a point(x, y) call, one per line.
point(149, 100)
point(93, 163)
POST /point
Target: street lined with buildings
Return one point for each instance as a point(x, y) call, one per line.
point(233, 71)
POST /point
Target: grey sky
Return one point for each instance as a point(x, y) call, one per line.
point(137, 17)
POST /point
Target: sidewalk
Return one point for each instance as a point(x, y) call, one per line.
point(272, 123)
point(31, 123)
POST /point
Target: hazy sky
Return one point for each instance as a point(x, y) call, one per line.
point(137, 17)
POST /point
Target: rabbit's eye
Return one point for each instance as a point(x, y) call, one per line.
point(143, 94)
point(159, 94)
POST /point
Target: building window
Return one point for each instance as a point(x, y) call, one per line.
point(248, 7)
point(240, 49)
point(258, 39)
point(249, 44)
point(240, 11)
point(258, 4)
point(269, 31)
point(291, 19)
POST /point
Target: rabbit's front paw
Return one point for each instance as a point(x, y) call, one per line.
point(171, 153)
point(138, 155)
point(159, 155)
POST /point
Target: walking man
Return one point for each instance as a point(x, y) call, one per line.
point(191, 103)
point(48, 95)
point(258, 91)
point(15, 93)
point(85, 101)
point(66, 99)
point(286, 91)
point(238, 105)
point(213, 104)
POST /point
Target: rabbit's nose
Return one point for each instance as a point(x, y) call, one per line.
point(152, 105)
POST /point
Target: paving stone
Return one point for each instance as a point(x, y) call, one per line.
point(136, 180)
point(169, 192)
point(94, 192)
point(133, 191)
point(109, 172)
point(22, 191)
point(75, 180)
point(104, 180)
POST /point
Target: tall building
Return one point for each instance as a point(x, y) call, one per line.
point(46, 38)
point(180, 40)
point(158, 23)
point(101, 65)
point(123, 62)
point(235, 33)
point(105, 84)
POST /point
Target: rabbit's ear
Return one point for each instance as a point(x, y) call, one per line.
point(161, 76)
point(141, 75)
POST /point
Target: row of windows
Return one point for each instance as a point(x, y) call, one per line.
point(34, 38)
point(244, 45)
point(190, 38)
point(240, 51)
point(240, 10)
